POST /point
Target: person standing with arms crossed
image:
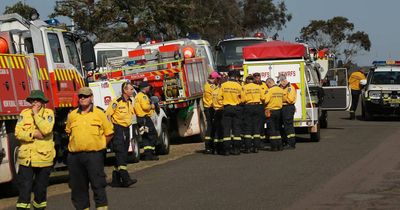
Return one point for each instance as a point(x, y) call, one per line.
point(34, 130)
point(144, 109)
point(89, 132)
point(121, 114)
point(273, 102)
point(287, 113)
point(355, 86)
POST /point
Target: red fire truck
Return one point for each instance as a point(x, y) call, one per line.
point(177, 72)
point(35, 54)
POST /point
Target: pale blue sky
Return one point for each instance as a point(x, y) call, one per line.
point(376, 18)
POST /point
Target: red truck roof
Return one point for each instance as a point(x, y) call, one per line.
point(274, 50)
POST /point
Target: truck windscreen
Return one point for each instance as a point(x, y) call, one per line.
point(386, 78)
point(230, 52)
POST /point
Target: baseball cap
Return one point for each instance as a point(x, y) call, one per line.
point(85, 91)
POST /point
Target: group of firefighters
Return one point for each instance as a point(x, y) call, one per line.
point(237, 112)
point(90, 129)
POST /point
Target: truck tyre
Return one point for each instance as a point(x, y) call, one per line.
point(136, 138)
point(315, 137)
point(14, 146)
point(163, 147)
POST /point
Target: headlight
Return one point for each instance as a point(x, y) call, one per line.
point(375, 94)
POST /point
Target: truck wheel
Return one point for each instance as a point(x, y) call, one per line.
point(136, 138)
point(315, 137)
point(14, 146)
point(163, 147)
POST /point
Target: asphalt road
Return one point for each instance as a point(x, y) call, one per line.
point(355, 166)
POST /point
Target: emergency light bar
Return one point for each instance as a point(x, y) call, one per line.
point(386, 63)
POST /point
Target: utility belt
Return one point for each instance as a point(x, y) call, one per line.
point(287, 104)
point(87, 152)
point(118, 125)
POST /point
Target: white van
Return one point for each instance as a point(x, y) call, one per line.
point(106, 50)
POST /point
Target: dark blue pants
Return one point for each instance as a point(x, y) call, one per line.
point(120, 144)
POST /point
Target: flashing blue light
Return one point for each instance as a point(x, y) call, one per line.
point(52, 22)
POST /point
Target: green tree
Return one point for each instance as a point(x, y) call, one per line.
point(130, 20)
point(22, 9)
point(338, 35)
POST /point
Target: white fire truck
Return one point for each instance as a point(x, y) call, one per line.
point(177, 71)
point(38, 55)
point(305, 73)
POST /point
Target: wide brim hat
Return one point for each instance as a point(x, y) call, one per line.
point(37, 94)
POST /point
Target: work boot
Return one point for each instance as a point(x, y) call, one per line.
point(116, 179)
point(274, 145)
point(126, 180)
point(208, 145)
point(279, 145)
point(236, 147)
point(148, 155)
point(352, 115)
point(226, 148)
point(247, 145)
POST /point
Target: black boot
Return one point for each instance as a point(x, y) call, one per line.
point(292, 143)
point(279, 145)
point(126, 180)
point(274, 145)
point(148, 155)
point(116, 179)
point(247, 145)
point(236, 147)
point(256, 145)
point(226, 148)
point(219, 148)
point(208, 147)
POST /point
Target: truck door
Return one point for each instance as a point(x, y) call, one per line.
point(336, 90)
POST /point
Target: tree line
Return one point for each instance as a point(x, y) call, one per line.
point(136, 20)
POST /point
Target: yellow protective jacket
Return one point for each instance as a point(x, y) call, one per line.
point(35, 152)
point(252, 94)
point(207, 96)
point(142, 105)
point(264, 87)
point(121, 111)
point(354, 80)
point(274, 98)
point(230, 93)
point(216, 102)
point(289, 94)
point(87, 131)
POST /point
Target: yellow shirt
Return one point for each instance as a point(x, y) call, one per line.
point(88, 131)
point(230, 93)
point(35, 152)
point(252, 93)
point(354, 80)
point(142, 105)
point(121, 111)
point(207, 96)
point(274, 98)
point(264, 87)
point(289, 94)
point(216, 103)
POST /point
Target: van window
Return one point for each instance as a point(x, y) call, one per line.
point(102, 55)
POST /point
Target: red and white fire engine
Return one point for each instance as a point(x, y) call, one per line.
point(35, 54)
point(177, 73)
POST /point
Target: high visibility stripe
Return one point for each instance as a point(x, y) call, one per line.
point(28, 69)
point(7, 65)
point(256, 136)
point(40, 205)
point(275, 137)
point(24, 205)
point(2, 64)
point(149, 148)
point(122, 168)
point(76, 76)
point(60, 72)
point(9, 117)
point(64, 71)
point(207, 138)
point(21, 62)
point(71, 74)
point(10, 60)
point(102, 208)
point(217, 140)
point(237, 138)
point(46, 75)
point(15, 61)
point(227, 138)
point(248, 136)
point(291, 135)
point(56, 74)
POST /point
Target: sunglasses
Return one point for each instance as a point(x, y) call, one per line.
point(83, 96)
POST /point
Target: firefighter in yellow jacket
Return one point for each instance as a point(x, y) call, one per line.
point(355, 86)
point(89, 132)
point(209, 86)
point(264, 88)
point(230, 95)
point(121, 114)
point(144, 109)
point(273, 102)
point(217, 121)
point(252, 98)
point(34, 130)
point(287, 113)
